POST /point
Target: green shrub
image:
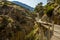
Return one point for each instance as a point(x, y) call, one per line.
point(49, 11)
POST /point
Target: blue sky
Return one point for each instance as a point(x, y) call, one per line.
point(31, 3)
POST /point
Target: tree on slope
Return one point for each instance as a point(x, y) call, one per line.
point(39, 9)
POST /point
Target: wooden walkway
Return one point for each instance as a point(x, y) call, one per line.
point(56, 32)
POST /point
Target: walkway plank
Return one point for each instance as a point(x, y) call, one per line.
point(56, 32)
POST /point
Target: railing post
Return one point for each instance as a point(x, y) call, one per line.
point(49, 33)
point(53, 26)
point(42, 33)
point(48, 38)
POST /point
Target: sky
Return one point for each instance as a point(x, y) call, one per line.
point(31, 3)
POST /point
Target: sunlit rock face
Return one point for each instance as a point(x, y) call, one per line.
point(57, 14)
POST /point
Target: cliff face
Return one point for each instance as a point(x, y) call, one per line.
point(52, 13)
point(20, 24)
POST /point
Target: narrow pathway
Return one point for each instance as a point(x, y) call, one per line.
point(56, 32)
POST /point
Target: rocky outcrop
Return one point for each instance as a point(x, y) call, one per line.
point(22, 23)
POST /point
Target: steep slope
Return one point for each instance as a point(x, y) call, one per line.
point(18, 19)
